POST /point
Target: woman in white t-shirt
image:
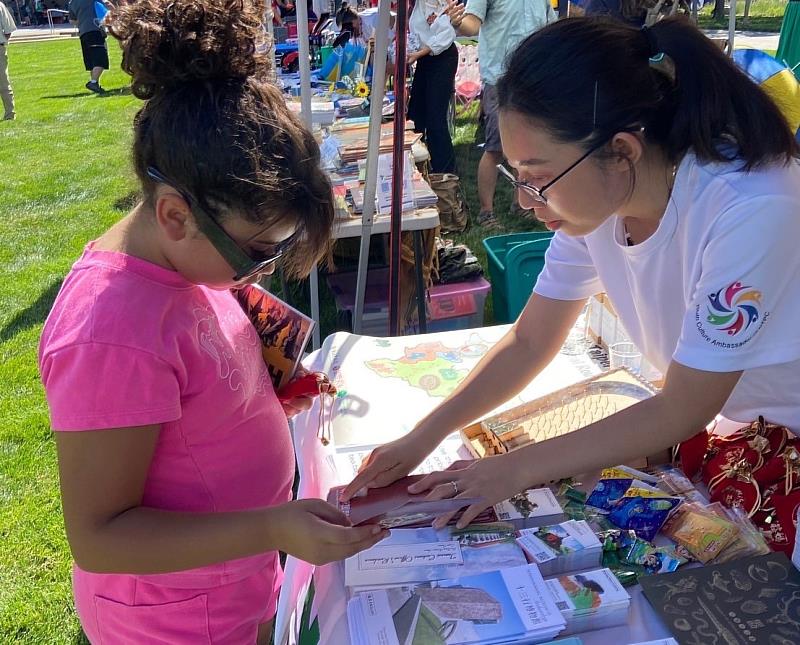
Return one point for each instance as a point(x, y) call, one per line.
point(432, 89)
point(673, 183)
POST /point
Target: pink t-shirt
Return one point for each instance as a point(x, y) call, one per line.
point(129, 343)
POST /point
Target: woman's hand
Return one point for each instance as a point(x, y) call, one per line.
point(316, 532)
point(388, 463)
point(413, 57)
point(492, 479)
point(455, 11)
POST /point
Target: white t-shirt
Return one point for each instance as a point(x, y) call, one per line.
point(716, 287)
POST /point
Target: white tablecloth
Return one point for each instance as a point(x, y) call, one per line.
point(385, 395)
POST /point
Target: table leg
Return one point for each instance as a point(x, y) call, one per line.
point(314, 297)
point(418, 260)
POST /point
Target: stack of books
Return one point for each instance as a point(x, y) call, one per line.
point(562, 548)
point(590, 600)
point(322, 112)
point(353, 139)
point(507, 606)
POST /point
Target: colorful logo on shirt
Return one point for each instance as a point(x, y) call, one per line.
point(734, 308)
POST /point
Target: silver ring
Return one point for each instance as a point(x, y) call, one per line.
point(455, 487)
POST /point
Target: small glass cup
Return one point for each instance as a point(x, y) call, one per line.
point(625, 354)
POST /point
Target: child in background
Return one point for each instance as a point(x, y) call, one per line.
point(175, 456)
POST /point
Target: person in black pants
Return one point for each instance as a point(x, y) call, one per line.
point(432, 89)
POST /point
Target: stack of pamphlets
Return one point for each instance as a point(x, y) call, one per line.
point(562, 548)
point(506, 606)
point(419, 555)
point(530, 509)
point(322, 112)
point(590, 600)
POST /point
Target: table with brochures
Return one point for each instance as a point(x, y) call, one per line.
point(386, 385)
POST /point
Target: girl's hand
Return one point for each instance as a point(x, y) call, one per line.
point(387, 464)
point(490, 479)
point(295, 406)
point(314, 531)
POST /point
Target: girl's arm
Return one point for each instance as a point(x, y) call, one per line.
point(507, 368)
point(689, 400)
point(103, 474)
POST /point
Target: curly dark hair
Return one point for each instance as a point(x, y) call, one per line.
point(213, 123)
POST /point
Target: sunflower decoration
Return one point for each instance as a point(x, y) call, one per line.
point(361, 90)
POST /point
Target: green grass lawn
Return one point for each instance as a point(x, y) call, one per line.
point(63, 166)
point(65, 177)
point(765, 15)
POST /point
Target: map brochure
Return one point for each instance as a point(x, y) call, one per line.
point(590, 600)
point(529, 509)
point(417, 555)
point(506, 606)
point(283, 330)
point(561, 548)
point(347, 461)
point(393, 506)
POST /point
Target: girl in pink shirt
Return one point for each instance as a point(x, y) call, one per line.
point(175, 456)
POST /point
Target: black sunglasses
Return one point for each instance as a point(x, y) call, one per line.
point(244, 264)
point(537, 194)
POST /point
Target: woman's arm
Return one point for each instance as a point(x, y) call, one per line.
point(103, 475)
point(507, 368)
point(689, 400)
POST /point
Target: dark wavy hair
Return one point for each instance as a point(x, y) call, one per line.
point(586, 78)
point(213, 123)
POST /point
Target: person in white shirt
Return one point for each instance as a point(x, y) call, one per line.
point(501, 25)
point(673, 186)
point(434, 79)
point(7, 27)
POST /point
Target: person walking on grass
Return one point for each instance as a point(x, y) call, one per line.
point(7, 26)
point(93, 39)
point(503, 24)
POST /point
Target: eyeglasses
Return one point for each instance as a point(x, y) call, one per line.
point(537, 194)
point(243, 263)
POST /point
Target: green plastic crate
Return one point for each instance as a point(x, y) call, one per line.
point(515, 262)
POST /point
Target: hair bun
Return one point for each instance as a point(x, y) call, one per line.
point(166, 44)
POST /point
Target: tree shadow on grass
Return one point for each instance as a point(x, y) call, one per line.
point(81, 639)
point(117, 91)
point(32, 315)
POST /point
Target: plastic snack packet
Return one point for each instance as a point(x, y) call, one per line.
point(703, 533)
point(643, 515)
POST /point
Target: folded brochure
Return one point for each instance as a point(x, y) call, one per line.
point(506, 606)
point(418, 555)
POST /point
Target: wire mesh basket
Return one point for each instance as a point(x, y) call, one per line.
point(558, 413)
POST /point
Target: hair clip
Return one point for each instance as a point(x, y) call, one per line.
point(664, 64)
